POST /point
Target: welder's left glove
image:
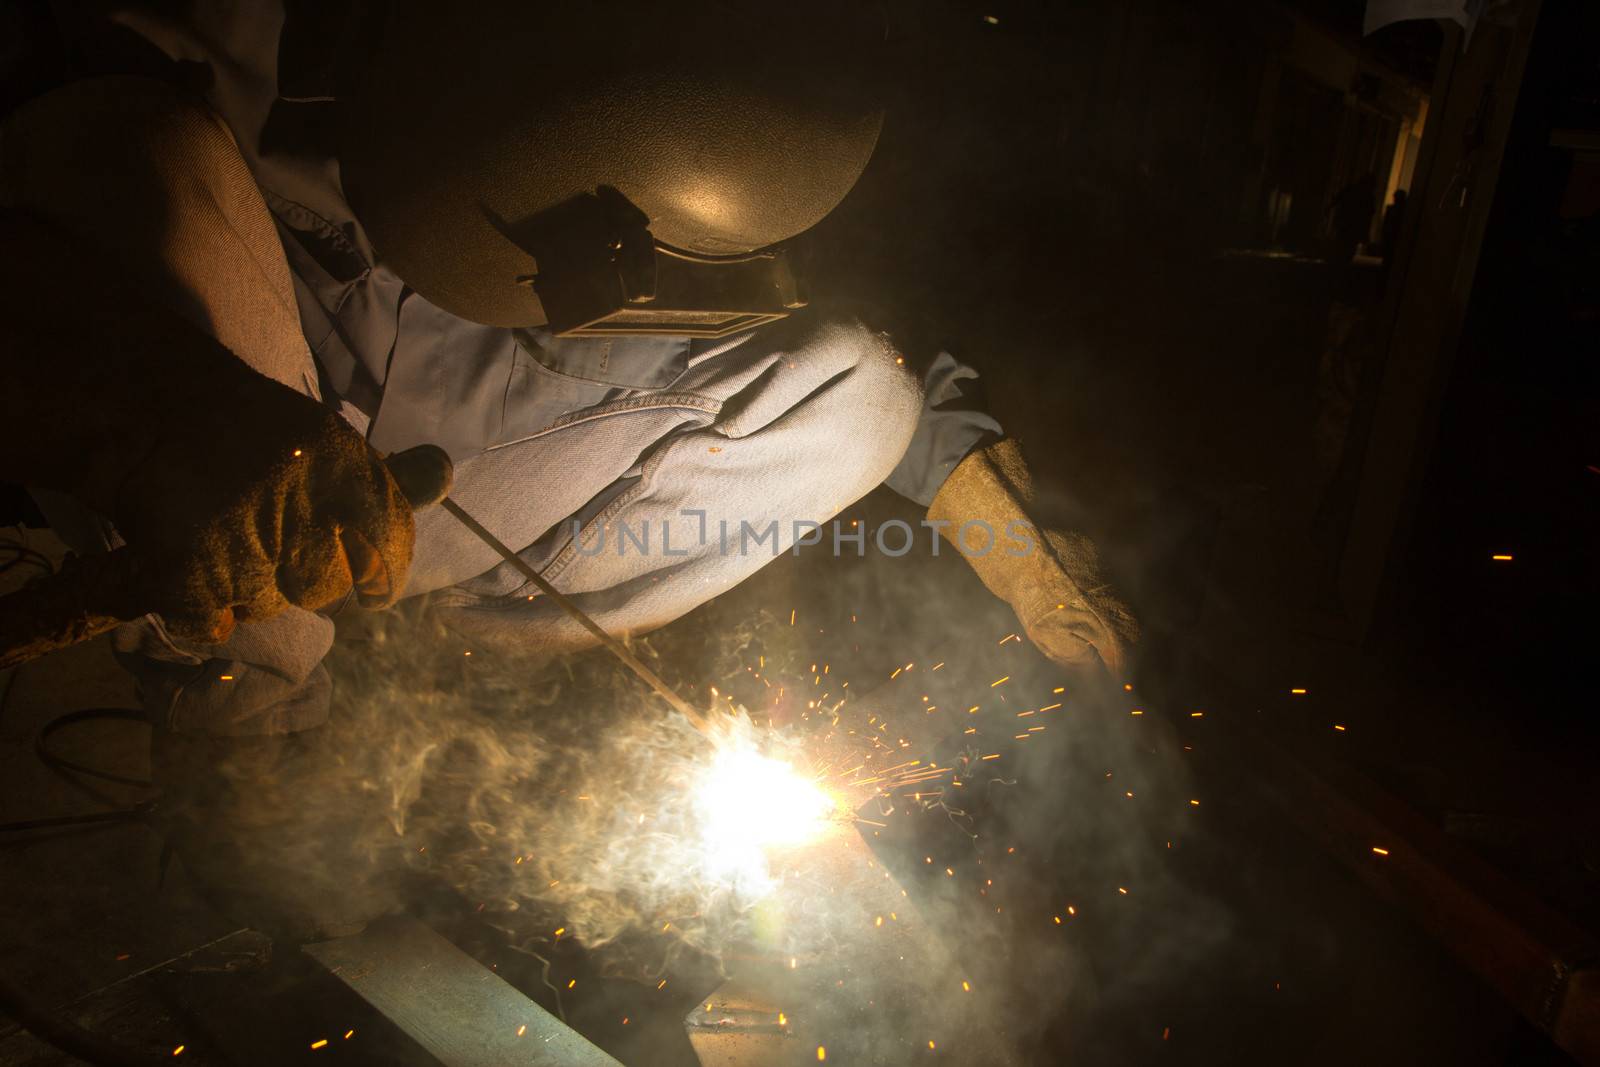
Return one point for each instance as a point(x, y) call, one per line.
point(1051, 578)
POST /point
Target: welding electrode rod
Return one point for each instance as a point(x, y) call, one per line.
point(617, 648)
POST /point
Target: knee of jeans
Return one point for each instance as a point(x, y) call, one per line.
point(878, 401)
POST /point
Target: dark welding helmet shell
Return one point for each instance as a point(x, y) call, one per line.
point(731, 126)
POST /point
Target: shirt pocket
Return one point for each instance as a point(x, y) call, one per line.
point(622, 362)
point(537, 396)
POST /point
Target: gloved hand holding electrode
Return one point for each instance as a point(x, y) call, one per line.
point(235, 495)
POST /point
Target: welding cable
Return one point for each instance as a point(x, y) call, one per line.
point(56, 822)
point(15, 552)
point(15, 1001)
point(74, 772)
point(63, 766)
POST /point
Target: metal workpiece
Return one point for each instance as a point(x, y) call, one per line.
point(842, 967)
point(463, 1014)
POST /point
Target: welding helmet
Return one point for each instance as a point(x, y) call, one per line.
point(609, 167)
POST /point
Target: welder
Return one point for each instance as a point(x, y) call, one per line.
point(249, 250)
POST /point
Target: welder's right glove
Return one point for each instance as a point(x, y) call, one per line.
point(237, 496)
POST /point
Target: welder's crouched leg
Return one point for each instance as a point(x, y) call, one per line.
point(813, 414)
point(154, 180)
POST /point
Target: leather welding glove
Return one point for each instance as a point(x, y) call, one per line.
point(236, 495)
point(1051, 578)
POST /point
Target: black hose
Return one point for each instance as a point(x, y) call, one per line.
point(45, 1023)
point(22, 826)
point(60, 763)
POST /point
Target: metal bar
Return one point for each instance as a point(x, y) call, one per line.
point(463, 1014)
point(617, 648)
point(1544, 966)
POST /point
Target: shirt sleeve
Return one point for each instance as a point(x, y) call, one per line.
point(953, 423)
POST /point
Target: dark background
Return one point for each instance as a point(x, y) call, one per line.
point(1076, 198)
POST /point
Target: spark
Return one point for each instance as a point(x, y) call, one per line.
point(997, 681)
point(822, 1053)
point(1338, 727)
point(1504, 557)
point(750, 802)
point(323, 1043)
point(1380, 851)
point(522, 1029)
point(1297, 692)
point(348, 1034)
point(179, 1050)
